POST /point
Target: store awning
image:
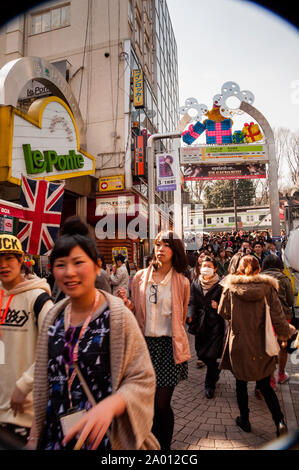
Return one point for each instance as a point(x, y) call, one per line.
point(11, 209)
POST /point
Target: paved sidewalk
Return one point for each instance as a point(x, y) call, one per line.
point(202, 424)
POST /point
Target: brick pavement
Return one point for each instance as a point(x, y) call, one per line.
point(202, 424)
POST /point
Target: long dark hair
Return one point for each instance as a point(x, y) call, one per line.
point(272, 261)
point(74, 233)
point(179, 258)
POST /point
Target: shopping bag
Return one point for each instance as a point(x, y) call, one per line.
point(271, 344)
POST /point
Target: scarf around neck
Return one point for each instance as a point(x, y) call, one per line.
point(208, 283)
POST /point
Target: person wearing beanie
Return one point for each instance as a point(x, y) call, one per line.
point(24, 303)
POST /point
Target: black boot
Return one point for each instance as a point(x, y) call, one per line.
point(281, 428)
point(243, 423)
point(209, 392)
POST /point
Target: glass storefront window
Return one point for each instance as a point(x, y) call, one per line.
point(158, 74)
point(155, 114)
point(158, 48)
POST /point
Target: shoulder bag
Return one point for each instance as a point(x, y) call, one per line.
point(271, 344)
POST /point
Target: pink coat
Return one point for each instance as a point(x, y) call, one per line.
point(180, 298)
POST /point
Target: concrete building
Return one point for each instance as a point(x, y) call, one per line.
point(97, 45)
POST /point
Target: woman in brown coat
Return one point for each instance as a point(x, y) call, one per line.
point(243, 304)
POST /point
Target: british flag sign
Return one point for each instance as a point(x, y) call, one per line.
point(42, 206)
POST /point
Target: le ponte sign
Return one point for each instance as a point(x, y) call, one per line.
point(44, 143)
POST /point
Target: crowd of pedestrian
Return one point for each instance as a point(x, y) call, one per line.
point(91, 361)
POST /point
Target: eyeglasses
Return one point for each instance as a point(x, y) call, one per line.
point(69, 345)
point(154, 293)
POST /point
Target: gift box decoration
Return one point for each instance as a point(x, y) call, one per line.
point(252, 132)
point(238, 137)
point(219, 132)
point(193, 132)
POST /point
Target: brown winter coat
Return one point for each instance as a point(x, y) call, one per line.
point(243, 303)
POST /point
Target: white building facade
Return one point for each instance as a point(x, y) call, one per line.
point(96, 45)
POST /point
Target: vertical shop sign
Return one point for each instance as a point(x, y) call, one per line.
point(139, 156)
point(138, 88)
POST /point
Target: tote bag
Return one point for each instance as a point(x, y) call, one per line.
point(271, 344)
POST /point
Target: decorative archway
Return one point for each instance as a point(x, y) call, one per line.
point(17, 73)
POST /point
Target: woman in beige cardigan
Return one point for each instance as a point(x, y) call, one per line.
point(160, 296)
point(90, 339)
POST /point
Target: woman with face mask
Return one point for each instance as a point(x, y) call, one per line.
point(204, 299)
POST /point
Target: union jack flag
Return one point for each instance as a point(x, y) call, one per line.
point(42, 206)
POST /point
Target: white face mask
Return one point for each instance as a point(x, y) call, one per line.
point(207, 272)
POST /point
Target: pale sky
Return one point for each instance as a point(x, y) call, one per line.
point(236, 40)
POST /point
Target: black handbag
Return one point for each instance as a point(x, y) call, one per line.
point(290, 348)
point(197, 325)
point(294, 320)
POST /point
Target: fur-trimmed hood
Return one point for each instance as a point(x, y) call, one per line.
point(250, 288)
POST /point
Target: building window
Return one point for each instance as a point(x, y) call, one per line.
point(130, 13)
point(138, 33)
point(50, 19)
point(231, 220)
point(209, 220)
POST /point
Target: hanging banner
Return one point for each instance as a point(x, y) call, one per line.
point(224, 172)
point(241, 153)
point(138, 89)
point(167, 169)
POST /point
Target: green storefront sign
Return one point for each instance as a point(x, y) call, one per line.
point(235, 149)
point(48, 160)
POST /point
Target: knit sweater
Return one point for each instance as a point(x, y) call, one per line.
point(132, 376)
point(18, 338)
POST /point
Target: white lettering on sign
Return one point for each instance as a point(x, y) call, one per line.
point(4, 211)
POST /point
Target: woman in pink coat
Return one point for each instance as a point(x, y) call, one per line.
point(160, 296)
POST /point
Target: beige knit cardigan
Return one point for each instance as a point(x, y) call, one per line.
point(132, 376)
